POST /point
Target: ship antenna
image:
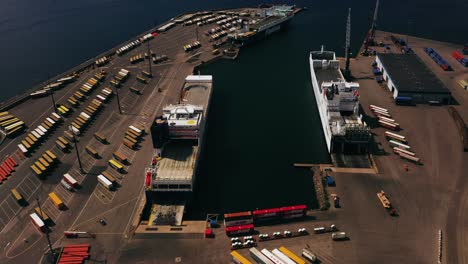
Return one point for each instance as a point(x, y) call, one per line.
point(322, 49)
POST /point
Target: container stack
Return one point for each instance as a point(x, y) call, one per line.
point(438, 59)
point(460, 58)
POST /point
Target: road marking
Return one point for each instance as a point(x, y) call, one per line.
point(26, 249)
point(6, 214)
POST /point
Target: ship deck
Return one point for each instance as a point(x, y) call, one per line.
point(327, 75)
point(178, 162)
point(197, 93)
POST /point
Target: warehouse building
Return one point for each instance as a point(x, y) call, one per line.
point(408, 78)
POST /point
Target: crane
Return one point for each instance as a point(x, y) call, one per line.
point(348, 45)
point(374, 22)
point(370, 36)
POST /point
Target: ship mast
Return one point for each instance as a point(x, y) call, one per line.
point(348, 45)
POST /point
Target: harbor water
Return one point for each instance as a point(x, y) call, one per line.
point(263, 117)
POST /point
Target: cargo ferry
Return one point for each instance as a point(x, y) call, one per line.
point(178, 137)
point(269, 21)
point(338, 105)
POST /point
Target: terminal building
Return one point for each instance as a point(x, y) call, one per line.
point(407, 77)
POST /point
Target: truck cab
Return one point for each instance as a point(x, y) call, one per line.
point(330, 180)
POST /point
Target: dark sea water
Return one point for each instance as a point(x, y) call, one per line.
point(263, 117)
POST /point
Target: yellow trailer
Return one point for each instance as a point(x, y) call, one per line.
point(56, 200)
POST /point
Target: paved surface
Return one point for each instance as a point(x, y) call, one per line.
point(427, 197)
point(20, 241)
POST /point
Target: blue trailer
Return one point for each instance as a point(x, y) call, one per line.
point(404, 100)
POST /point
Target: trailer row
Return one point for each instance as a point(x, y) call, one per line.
point(398, 142)
point(159, 59)
point(459, 57)
point(437, 59)
point(87, 115)
point(32, 139)
point(75, 254)
point(80, 95)
point(128, 47)
point(192, 46)
point(262, 215)
point(137, 58)
point(133, 136)
point(280, 255)
point(120, 77)
point(6, 168)
point(102, 61)
point(11, 124)
point(46, 90)
point(201, 21)
point(44, 163)
point(218, 36)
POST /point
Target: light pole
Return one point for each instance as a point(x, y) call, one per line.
point(149, 58)
point(118, 99)
point(53, 99)
point(46, 231)
point(76, 148)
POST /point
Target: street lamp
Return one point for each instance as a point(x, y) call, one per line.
point(53, 100)
point(76, 148)
point(149, 58)
point(118, 99)
point(46, 231)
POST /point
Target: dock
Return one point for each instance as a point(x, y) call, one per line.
point(126, 86)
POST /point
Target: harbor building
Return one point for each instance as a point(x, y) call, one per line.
point(408, 77)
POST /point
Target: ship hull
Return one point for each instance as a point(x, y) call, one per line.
point(321, 107)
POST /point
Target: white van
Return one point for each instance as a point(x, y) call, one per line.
point(339, 236)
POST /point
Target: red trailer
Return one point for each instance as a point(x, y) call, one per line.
point(238, 219)
point(266, 214)
point(241, 229)
point(295, 211)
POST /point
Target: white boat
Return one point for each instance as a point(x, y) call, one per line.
point(338, 105)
